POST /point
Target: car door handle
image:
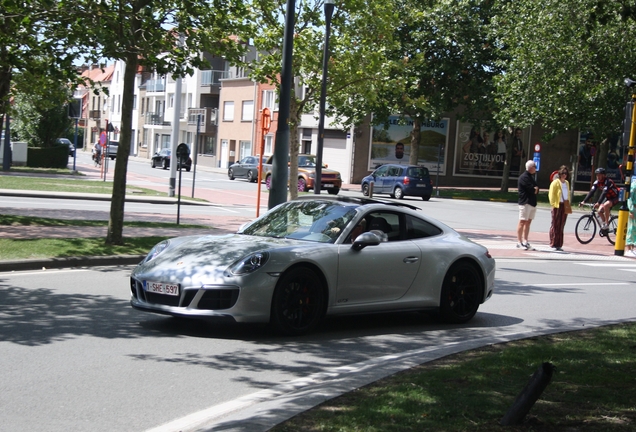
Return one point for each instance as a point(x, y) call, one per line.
point(410, 260)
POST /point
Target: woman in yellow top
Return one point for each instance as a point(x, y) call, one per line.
point(559, 196)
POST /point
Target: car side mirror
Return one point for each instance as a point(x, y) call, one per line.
point(364, 240)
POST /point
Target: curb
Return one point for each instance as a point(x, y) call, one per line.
point(68, 262)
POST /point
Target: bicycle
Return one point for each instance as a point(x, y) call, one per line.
point(586, 227)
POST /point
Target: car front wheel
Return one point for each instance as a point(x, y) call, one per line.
point(268, 182)
point(298, 302)
point(461, 293)
point(333, 191)
point(302, 185)
point(153, 164)
point(165, 164)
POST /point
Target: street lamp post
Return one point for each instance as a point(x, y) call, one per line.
point(329, 6)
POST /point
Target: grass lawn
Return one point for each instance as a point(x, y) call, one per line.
point(592, 389)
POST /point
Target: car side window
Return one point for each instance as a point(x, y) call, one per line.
point(394, 171)
point(381, 172)
point(386, 222)
point(417, 228)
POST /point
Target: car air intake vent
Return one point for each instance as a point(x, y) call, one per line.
point(219, 299)
point(162, 299)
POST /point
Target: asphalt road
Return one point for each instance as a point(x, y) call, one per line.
point(75, 356)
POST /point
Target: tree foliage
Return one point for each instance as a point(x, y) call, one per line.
point(566, 62)
point(166, 36)
point(359, 31)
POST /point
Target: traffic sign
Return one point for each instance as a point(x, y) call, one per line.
point(103, 138)
point(537, 147)
point(537, 159)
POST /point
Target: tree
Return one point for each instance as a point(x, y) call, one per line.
point(36, 37)
point(444, 60)
point(40, 111)
point(360, 30)
point(167, 36)
point(566, 63)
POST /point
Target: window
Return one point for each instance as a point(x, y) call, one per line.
point(170, 100)
point(418, 228)
point(269, 144)
point(247, 111)
point(270, 100)
point(228, 111)
point(245, 149)
point(134, 102)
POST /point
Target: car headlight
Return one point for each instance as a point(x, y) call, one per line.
point(156, 250)
point(249, 264)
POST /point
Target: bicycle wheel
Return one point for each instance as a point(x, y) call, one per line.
point(585, 229)
point(612, 229)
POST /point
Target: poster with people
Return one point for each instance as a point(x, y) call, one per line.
point(392, 143)
point(481, 152)
point(587, 158)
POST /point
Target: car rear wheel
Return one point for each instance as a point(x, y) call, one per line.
point(333, 191)
point(398, 193)
point(250, 176)
point(461, 293)
point(426, 197)
point(302, 185)
point(365, 189)
point(298, 302)
point(230, 174)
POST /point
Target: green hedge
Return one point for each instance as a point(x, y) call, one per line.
point(50, 157)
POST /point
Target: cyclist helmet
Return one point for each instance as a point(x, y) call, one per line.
point(600, 171)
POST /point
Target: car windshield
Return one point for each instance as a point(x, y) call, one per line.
point(417, 172)
point(306, 161)
point(315, 220)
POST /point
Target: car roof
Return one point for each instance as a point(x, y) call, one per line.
point(359, 201)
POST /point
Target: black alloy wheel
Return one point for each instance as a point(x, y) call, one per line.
point(462, 292)
point(298, 302)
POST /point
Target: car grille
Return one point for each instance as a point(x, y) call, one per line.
point(328, 176)
point(212, 299)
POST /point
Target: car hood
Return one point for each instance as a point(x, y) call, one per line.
point(196, 260)
point(312, 169)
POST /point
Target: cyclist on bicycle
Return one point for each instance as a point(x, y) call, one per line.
point(608, 197)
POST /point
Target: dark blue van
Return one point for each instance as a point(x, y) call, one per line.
point(399, 181)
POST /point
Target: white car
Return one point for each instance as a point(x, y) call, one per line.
point(298, 263)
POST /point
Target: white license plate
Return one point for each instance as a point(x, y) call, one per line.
point(329, 185)
point(421, 185)
point(162, 288)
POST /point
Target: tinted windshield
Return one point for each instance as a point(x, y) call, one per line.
point(315, 220)
point(417, 172)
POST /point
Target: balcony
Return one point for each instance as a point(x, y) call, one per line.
point(209, 119)
point(211, 80)
point(156, 85)
point(153, 118)
point(94, 114)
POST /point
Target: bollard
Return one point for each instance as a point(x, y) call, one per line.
point(371, 189)
point(529, 395)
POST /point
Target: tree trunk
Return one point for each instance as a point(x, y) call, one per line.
point(116, 222)
point(294, 120)
point(5, 81)
point(505, 177)
point(415, 142)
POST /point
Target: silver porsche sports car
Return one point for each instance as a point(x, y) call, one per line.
point(318, 256)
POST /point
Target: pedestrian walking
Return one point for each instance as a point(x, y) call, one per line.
point(559, 197)
point(528, 190)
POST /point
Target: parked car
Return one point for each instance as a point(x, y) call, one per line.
point(331, 180)
point(245, 168)
point(399, 181)
point(67, 142)
point(298, 263)
point(113, 147)
point(162, 159)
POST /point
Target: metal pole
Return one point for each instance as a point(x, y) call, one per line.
point(6, 151)
point(196, 151)
point(278, 191)
point(174, 137)
point(623, 212)
point(329, 6)
point(439, 157)
point(75, 143)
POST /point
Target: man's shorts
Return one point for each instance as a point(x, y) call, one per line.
point(614, 201)
point(527, 212)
